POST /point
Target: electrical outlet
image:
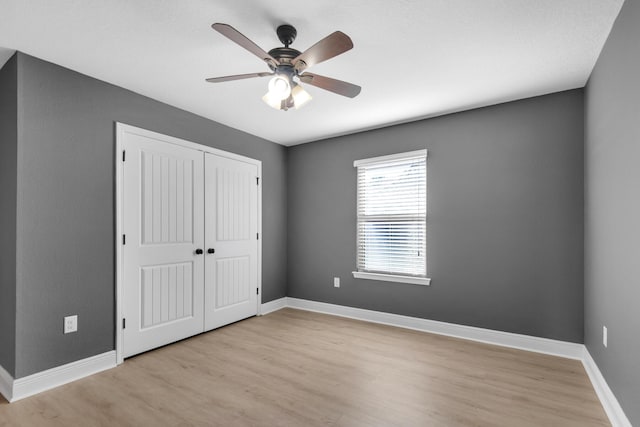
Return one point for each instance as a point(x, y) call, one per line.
point(70, 324)
point(605, 336)
point(336, 282)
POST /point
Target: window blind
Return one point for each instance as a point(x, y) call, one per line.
point(392, 211)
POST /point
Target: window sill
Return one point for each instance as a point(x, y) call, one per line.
point(425, 281)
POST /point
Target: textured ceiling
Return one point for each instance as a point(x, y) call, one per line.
point(413, 58)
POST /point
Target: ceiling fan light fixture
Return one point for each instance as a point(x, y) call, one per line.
point(300, 96)
point(279, 87)
point(272, 101)
point(287, 64)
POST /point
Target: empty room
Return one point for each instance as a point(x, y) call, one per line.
point(364, 213)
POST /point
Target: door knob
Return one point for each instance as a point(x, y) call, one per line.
point(199, 252)
point(211, 251)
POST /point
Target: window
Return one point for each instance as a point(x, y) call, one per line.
point(392, 218)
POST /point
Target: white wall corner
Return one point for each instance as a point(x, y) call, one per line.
point(611, 406)
point(54, 377)
point(6, 384)
point(271, 306)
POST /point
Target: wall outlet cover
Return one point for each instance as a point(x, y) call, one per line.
point(336, 282)
point(70, 324)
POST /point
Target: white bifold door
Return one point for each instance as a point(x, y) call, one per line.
point(231, 224)
point(190, 241)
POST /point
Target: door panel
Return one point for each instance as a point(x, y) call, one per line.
point(233, 193)
point(231, 224)
point(167, 199)
point(166, 293)
point(232, 277)
point(163, 278)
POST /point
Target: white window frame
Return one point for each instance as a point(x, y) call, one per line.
point(391, 277)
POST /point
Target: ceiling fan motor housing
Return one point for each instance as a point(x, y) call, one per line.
point(287, 34)
point(284, 55)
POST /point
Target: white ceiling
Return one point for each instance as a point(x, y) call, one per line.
point(413, 58)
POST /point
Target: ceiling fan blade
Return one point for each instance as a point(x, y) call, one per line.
point(332, 85)
point(237, 77)
point(332, 45)
point(236, 36)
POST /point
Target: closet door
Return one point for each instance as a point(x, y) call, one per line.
point(231, 224)
point(163, 221)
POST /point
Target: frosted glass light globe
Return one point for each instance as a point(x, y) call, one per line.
point(279, 87)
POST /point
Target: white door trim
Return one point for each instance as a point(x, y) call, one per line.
point(121, 130)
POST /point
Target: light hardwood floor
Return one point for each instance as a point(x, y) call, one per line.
point(296, 368)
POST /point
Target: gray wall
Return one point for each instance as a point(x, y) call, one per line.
point(65, 246)
point(612, 210)
point(504, 227)
point(8, 184)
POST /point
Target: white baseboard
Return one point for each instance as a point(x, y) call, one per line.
point(275, 305)
point(6, 384)
point(54, 377)
point(607, 398)
point(504, 339)
point(14, 390)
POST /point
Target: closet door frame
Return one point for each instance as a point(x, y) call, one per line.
point(122, 130)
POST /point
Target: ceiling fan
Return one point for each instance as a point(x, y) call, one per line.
point(288, 66)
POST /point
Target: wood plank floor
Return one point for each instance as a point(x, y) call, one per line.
point(296, 368)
